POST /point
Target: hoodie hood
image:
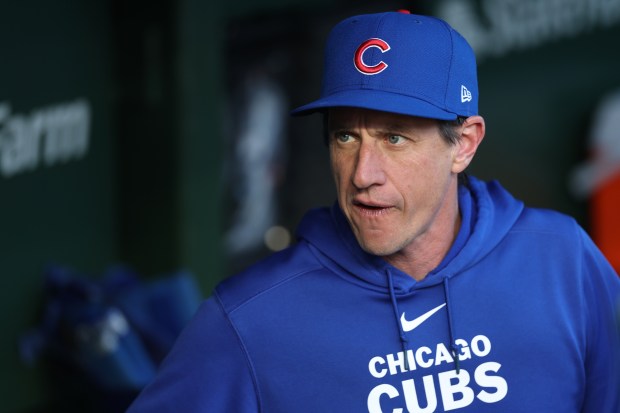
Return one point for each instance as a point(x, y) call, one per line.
point(491, 213)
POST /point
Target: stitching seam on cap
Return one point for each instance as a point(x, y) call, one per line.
point(448, 78)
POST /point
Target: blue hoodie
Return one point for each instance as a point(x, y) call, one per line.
point(519, 317)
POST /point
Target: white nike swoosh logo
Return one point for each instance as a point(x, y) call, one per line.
point(410, 325)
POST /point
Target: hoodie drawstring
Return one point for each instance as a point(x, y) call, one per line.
point(403, 338)
point(455, 349)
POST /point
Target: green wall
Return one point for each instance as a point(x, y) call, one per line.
point(53, 208)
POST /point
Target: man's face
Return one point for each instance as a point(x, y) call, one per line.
point(395, 179)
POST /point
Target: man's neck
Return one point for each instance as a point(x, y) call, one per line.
point(426, 253)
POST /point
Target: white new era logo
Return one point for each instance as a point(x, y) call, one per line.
point(465, 94)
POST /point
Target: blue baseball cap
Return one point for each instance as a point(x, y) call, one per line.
point(401, 63)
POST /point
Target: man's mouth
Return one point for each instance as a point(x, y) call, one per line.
point(370, 208)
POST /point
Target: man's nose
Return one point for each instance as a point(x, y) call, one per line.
point(369, 166)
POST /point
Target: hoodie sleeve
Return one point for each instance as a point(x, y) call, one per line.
point(602, 300)
point(207, 370)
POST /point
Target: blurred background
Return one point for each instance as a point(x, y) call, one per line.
point(153, 139)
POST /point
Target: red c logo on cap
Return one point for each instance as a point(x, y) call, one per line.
point(359, 54)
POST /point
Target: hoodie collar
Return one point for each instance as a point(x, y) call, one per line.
point(487, 214)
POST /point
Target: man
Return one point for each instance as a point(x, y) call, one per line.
point(420, 290)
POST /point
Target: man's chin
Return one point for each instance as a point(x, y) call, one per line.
point(381, 249)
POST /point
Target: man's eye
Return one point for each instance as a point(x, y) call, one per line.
point(395, 139)
point(343, 137)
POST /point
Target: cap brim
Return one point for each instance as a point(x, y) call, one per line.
point(377, 100)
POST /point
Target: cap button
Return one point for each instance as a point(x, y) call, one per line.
point(404, 11)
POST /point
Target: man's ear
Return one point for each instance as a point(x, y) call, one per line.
point(471, 135)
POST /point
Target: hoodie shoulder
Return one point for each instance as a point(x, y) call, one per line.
point(266, 275)
point(546, 221)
